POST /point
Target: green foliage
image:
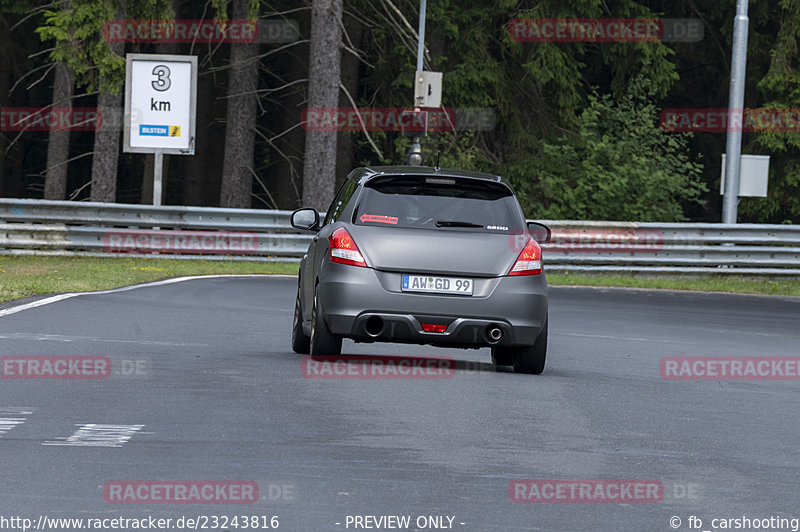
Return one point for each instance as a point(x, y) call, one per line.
point(576, 131)
point(220, 8)
point(618, 165)
point(15, 7)
point(537, 90)
point(77, 29)
point(780, 87)
point(77, 26)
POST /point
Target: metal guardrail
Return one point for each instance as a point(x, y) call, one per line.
point(699, 248)
point(98, 229)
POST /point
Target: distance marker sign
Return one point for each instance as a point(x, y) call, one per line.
point(160, 103)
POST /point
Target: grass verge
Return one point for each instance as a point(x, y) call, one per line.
point(780, 287)
point(24, 276)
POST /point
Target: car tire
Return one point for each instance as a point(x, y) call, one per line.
point(300, 342)
point(502, 356)
point(531, 359)
point(323, 341)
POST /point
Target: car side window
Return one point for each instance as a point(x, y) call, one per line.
point(340, 201)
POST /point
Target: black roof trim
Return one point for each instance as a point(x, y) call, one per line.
point(369, 172)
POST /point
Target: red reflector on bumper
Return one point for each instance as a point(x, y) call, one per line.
point(433, 327)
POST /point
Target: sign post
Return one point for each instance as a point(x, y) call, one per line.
point(160, 107)
point(415, 156)
point(730, 201)
point(158, 172)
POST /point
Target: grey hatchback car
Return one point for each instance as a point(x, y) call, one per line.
point(426, 256)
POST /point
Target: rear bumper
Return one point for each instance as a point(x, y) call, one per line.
point(351, 295)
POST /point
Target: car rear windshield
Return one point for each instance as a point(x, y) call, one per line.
point(430, 202)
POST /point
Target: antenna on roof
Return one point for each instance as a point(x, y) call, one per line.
point(438, 153)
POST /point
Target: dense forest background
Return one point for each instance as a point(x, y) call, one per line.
point(577, 124)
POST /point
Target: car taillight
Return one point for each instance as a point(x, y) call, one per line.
point(344, 249)
point(529, 261)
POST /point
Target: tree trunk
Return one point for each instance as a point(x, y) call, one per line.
point(106, 148)
point(198, 165)
point(285, 180)
point(5, 85)
point(237, 176)
point(345, 143)
point(106, 137)
point(319, 170)
point(12, 58)
point(55, 183)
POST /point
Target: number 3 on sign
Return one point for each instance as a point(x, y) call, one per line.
point(162, 82)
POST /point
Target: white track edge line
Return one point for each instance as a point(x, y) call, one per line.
point(61, 297)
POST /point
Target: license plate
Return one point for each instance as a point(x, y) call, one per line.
point(436, 285)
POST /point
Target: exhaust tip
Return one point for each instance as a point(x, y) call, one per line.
point(374, 326)
point(493, 334)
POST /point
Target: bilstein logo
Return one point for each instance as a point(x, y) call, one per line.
point(159, 131)
point(586, 491)
point(374, 367)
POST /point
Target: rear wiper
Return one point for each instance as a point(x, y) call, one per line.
point(454, 223)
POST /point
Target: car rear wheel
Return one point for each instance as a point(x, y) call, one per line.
point(502, 356)
point(323, 341)
point(300, 342)
point(531, 359)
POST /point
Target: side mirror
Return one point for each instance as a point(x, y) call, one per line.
point(306, 219)
point(540, 232)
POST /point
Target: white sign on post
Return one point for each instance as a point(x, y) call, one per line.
point(160, 103)
point(160, 106)
point(753, 176)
